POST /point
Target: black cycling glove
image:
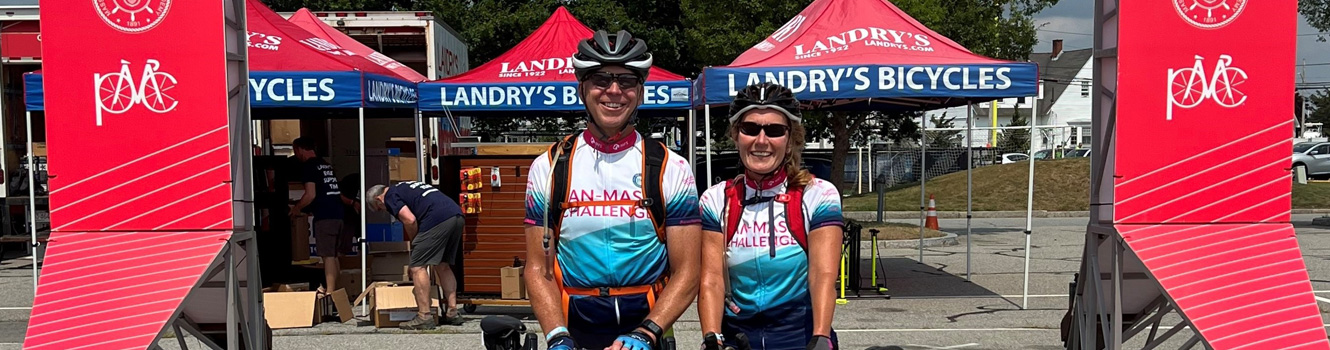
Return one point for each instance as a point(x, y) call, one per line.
point(562, 342)
point(821, 343)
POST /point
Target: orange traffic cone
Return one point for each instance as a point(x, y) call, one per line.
point(931, 221)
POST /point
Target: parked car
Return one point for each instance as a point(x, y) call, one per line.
point(1312, 157)
point(1009, 158)
point(1076, 153)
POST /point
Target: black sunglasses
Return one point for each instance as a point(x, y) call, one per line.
point(772, 130)
point(603, 80)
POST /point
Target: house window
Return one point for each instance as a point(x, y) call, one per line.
point(1085, 88)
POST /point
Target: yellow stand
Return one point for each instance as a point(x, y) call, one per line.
point(844, 276)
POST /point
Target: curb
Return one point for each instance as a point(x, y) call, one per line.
point(948, 240)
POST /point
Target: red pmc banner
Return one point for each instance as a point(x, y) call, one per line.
point(136, 115)
point(1203, 132)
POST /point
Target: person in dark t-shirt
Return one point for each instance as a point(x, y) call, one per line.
point(434, 224)
point(323, 200)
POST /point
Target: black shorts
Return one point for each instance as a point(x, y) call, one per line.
point(330, 239)
point(442, 244)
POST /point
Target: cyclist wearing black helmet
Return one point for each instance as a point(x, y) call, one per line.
point(614, 216)
point(764, 276)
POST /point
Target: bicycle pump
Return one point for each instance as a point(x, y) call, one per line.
point(880, 288)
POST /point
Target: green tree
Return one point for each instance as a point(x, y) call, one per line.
point(340, 5)
point(1015, 140)
point(1317, 13)
point(947, 138)
point(1319, 103)
point(899, 127)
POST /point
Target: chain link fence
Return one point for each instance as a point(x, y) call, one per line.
point(896, 166)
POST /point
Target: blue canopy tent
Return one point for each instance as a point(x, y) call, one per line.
point(536, 77)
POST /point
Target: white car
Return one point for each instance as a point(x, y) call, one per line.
point(1009, 158)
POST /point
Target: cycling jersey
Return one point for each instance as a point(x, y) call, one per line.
point(611, 246)
point(771, 293)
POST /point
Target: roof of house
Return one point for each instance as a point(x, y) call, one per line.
point(1057, 74)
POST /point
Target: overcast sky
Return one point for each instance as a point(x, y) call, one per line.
point(1073, 22)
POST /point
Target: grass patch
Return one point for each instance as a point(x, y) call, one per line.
point(891, 231)
point(1313, 195)
point(1060, 185)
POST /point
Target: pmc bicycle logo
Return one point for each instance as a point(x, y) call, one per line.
point(1188, 87)
point(117, 92)
point(1209, 14)
point(132, 16)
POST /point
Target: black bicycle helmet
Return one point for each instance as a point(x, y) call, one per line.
point(765, 95)
point(603, 49)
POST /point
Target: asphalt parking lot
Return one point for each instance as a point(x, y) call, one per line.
point(932, 305)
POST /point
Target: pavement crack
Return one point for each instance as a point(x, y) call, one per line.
point(985, 310)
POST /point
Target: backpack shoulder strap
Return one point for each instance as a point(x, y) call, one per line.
point(733, 207)
point(653, 180)
point(794, 215)
point(561, 158)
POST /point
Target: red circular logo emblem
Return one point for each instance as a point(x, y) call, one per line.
point(1209, 14)
point(132, 16)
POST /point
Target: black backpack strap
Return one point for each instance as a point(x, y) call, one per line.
point(561, 155)
point(653, 177)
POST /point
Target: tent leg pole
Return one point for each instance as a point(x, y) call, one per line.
point(32, 203)
point(421, 151)
point(232, 338)
point(364, 226)
point(692, 137)
point(707, 112)
point(1029, 204)
point(969, 185)
point(923, 183)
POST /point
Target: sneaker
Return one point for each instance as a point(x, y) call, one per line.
point(419, 323)
point(453, 318)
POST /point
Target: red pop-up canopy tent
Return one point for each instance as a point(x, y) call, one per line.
point(872, 54)
point(537, 75)
point(309, 22)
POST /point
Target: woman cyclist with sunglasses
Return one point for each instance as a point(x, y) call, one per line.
point(764, 276)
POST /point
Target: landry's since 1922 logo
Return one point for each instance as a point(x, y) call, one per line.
point(132, 16)
point(1209, 14)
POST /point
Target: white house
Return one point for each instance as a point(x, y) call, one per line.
point(1066, 76)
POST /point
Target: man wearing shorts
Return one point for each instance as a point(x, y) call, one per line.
point(322, 198)
point(433, 223)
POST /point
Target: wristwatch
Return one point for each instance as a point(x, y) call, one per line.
point(654, 328)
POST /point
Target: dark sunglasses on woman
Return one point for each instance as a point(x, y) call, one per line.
point(772, 130)
point(602, 80)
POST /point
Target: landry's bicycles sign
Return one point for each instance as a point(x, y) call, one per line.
point(1189, 87)
point(118, 92)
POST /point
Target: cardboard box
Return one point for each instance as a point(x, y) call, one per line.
point(289, 309)
point(292, 287)
point(350, 281)
point(389, 264)
point(403, 169)
point(389, 247)
point(300, 232)
point(339, 301)
point(390, 305)
point(284, 132)
point(510, 280)
point(39, 149)
point(303, 309)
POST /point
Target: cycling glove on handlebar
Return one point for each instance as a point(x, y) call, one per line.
point(561, 343)
point(636, 341)
point(820, 343)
